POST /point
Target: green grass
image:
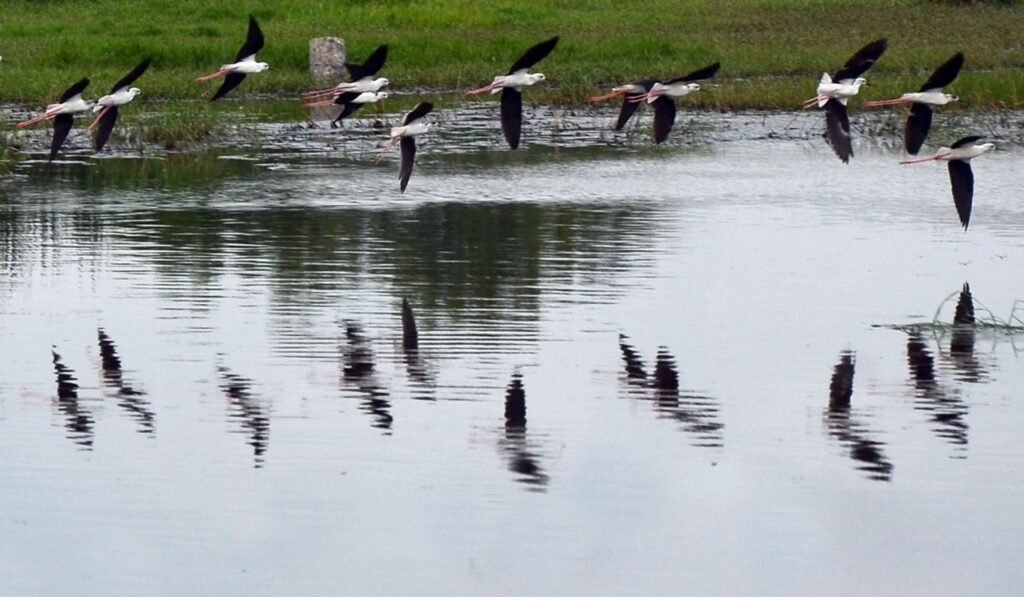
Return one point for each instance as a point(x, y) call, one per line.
point(772, 51)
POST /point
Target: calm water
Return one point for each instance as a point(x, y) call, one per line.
point(204, 387)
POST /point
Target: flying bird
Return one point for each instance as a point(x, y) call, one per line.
point(633, 94)
point(961, 177)
point(511, 86)
point(62, 113)
point(833, 93)
point(930, 94)
point(244, 64)
point(120, 94)
point(350, 101)
point(413, 124)
point(661, 97)
point(361, 79)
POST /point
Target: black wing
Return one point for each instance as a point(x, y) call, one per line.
point(231, 80)
point(128, 79)
point(705, 73)
point(534, 55)
point(837, 129)
point(966, 140)
point(373, 63)
point(860, 62)
point(408, 146)
point(421, 110)
point(664, 117)
point(511, 115)
point(61, 127)
point(918, 123)
point(347, 109)
point(253, 41)
point(74, 90)
point(961, 178)
point(945, 74)
point(628, 107)
point(106, 125)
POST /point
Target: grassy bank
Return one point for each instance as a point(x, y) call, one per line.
point(772, 51)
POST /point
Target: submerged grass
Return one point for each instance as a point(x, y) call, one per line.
point(772, 51)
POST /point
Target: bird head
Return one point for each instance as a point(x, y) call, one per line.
point(537, 77)
point(986, 147)
point(859, 81)
point(381, 82)
point(951, 98)
point(134, 92)
point(262, 66)
point(693, 87)
point(382, 95)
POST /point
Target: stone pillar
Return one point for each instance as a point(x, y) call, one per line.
point(327, 59)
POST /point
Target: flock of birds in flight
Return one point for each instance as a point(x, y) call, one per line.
point(833, 94)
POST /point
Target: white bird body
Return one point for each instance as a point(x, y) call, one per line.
point(72, 106)
point(369, 97)
point(679, 89)
point(118, 98)
point(246, 66)
point(362, 85)
point(841, 90)
point(410, 130)
point(932, 98)
point(964, 153)
point(516, 80)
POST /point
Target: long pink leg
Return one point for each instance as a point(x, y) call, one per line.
point(389, 147)
point(326, 102)
point(35, 120)
point(482, 89)
point(641, 98)
point(608, 96)
point(97, 121)
point(932, 158)
point(219, 73)
point(890, 102)
point(808, 104)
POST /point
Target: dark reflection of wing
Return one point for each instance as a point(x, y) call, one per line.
point(61, 127)
point(961, 179)
point(844, 426)
point(837, 129)
point(105, 127)
point(415, 366)
point(78, 421)
point(360, 369)
point(410, 335)
point(408, 149)
point(634, 364)
point(664, 117)
point(698, 414)
point(521, 460)
point(254, 419)
point(961, 344)
point(128, 398)
point(918, 123)
point(231, 80)
point(947, 410)
point(511, 115)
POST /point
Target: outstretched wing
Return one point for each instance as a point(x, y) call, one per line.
point(346, 110)
point(61, 127)
point(74, 90)
point(231, 80)
point(511, 115)
point(253, 41)
point(961, 179)
point(945, 74)
point(421, 110)
point(534, 55)
point(408, 146)
point(966, 140)
point(664, 117)
point(860, 62)
point(837, 129)
point(128, 79)
point(705, 73)
point(373, 63)
point(105, 126)
point(918, 123)
point(629, 107)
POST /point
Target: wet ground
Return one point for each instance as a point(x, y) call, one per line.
point(636, 368)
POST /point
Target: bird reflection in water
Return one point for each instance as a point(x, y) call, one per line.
point(415, 366)
point(78, 422)
point(697, 413)
point(945, 406)
point(359, 369)
point(521, 460)
point(255, 421)
point(128, 398)
point(964, 336)
point(843, 425)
